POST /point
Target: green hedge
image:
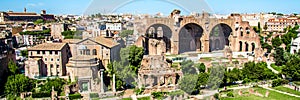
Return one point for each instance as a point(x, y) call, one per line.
point(41, 95)
point(94, 95)
point(75, 96)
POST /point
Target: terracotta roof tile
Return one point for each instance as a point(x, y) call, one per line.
point(48, 46)
point(105, 41)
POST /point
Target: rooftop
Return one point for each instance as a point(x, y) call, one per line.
point(48, 46)
point(71, 41)
point(105, 41)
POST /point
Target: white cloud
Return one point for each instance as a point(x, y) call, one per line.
point(31, 5)
point(34, 4)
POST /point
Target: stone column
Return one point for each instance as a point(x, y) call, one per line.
point(158, 81)
point(114, 83)
point(166, 81)
point(101, 83)
point(174, 80)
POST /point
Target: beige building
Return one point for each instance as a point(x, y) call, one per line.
point(48, 59)
point(86, 71)
point(278, 24)
point(56, 30)
point(104, 49)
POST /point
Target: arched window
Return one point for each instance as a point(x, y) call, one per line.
point(246, 46)
point(241, 30)
point(241, 45)
point(247, 30)
point(253, 46)
point(87, 51)
point(94, 52)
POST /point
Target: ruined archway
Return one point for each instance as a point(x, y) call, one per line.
point(220, 34)
point(189, 38)
point(160, 32)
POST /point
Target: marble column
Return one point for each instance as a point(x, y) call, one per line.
point(102, 82)
point(114, 83)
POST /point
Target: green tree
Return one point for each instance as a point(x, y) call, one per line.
point(267, 46)
point(276, 42)
point(24, 53)
point(117, 69)
point(132, 56)
point(13, 68)
point(292, 68)
point(187, 67)
point(232, 76)
point(279, 56)
point(202, 80)
point(216, 76)
point(200, 66)
point(257, 71)
point(57, 83)
point(18, 83)
point(39, 21)
point(188, 83)
point(125, 33)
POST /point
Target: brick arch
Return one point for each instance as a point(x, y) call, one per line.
point(167, 30)
point(166, 37)
point(220, 32)
point(189, 36)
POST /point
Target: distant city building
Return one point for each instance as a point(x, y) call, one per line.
point(56, 30)
point(11, 17)
point(278, 24)
point(48, 59)
point(295, 45)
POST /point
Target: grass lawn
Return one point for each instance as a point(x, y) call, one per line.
point(288, 90)
point(246, 96)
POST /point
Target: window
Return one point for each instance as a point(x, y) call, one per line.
point(45, 59)
point(57, 66)
point(31, 53)
point(50, 52)
point(57, 59)
point(88, 52)
point(45, 65)
point(43, 52)
point(94, 52)
point(56, 52)
point(38, 52)
point(51, 65)
point(51, 59)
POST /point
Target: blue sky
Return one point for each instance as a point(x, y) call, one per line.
point(148, 6)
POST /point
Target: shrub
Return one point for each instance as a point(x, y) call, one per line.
point(94, 95)
point(279, 82)
point(216, 96)
point(230, 94)
point(41, 94)
point(75, 96)
point(158, 95)
point(139, 91)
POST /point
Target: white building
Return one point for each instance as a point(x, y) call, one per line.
point(295, 45)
